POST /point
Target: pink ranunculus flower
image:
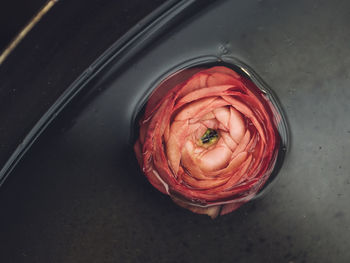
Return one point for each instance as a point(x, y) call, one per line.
point(208, 139)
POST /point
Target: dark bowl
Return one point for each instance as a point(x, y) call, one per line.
point(74, 192)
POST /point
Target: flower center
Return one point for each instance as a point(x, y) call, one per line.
point(209, 138)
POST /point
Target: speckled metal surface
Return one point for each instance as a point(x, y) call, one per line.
point(52, 56)
point(78, 195)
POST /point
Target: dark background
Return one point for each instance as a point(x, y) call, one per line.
point(78, 196)
point(13, 17)
point(67, 40)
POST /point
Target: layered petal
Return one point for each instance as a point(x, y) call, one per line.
point(208, 139)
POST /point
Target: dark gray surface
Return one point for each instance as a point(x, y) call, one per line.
point(66, 41)
point(14, 15)
point(79, 197)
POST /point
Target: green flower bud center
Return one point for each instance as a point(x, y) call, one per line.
point(209, 138)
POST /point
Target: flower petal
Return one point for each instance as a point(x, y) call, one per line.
point(207, 177)
point(215, 158)
point(222, 114)
point(244, 109)
point(177, 138)
point(237, 125)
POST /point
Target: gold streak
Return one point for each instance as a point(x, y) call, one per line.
point(26, 29)
point(245, 71)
